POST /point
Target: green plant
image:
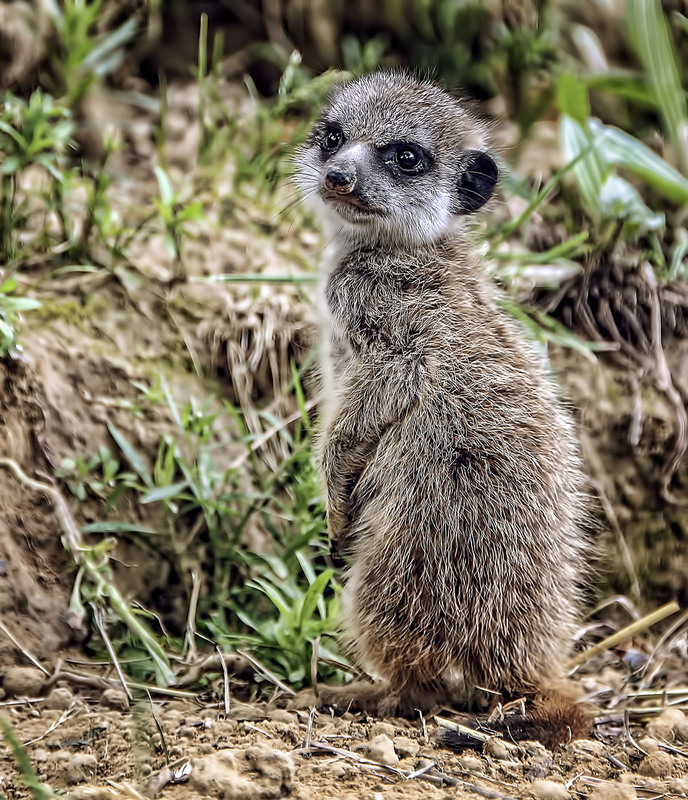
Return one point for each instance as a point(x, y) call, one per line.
point(261, 142)
point(605, 194)
point(83, 56)
point(175, 214)
point(284, 641)
point(99, 474)
point(33, 133)
point(652, 42)
point(277, 603)
point(10, 308)
point(360, 58)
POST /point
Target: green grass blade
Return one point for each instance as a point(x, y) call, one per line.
point(131, 455)
point(649, 33)
point(623, 150)
point(591, 171)
point(166, 192)
point(572, 96)
point(275, 597)
point(29, 777)
point(313, 595)
point(619, 200)
point(110, 43)
point(505, 231)
point(117, 527)
point(164, 492)
point(544, 328)
point(678, 268)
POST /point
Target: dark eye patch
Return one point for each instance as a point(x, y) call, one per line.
point(332, 139)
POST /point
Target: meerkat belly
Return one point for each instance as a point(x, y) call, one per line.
point(458, 457)
point(453, 507)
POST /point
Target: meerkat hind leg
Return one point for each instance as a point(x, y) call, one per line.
point(381, 699)
point(361, 696)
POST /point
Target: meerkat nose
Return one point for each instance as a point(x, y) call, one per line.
point(339, 181)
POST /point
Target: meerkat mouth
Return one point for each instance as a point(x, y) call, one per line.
point(348, 205)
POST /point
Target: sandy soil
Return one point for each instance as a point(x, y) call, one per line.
point(94, 746)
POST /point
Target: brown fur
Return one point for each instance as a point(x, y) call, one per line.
point(549, 718)
point(451, 470)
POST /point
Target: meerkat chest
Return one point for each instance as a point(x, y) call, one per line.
point(367, 312)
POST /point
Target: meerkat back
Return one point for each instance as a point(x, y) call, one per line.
point(451, 472)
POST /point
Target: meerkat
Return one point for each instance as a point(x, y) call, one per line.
point(452, 477)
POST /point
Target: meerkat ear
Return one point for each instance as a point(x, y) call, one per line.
point(477, 178)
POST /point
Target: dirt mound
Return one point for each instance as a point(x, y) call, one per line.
point(34, 573)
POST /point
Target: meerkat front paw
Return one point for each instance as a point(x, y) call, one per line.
point(337, 527)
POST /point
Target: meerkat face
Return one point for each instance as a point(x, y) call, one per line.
point(395, 159)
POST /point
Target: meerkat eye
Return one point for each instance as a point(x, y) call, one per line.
point(409, 159)
point(332, 140)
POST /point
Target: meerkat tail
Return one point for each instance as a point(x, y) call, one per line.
point(549, 717)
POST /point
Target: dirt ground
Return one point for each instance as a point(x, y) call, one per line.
point(92, 745)
point(92, 338)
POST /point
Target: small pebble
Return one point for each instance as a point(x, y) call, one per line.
point(280, 715)
point(496, 748)
point(378, 728)
point(174, 717)
point(535, 749)
point(648, 744)
point(40, 755)
point(216, 776)
point(334, 768)
point(613, 791)
point(406, 747)
point(547, 790)
point(80, 768)
point(671, 716)
point(115, 699)
point(671, 724)
point(381, 749)
point(538, 767)
point(679, 786)
point(23, 681)
point(656, 765)
point(272, 764)
point(589, 747)
point(681, 731)
point(59, 699)
point(661, 729)
point(471, 763)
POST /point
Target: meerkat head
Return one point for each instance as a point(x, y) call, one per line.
point(394, 159)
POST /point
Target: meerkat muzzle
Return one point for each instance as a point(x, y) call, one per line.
point(340, 182)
